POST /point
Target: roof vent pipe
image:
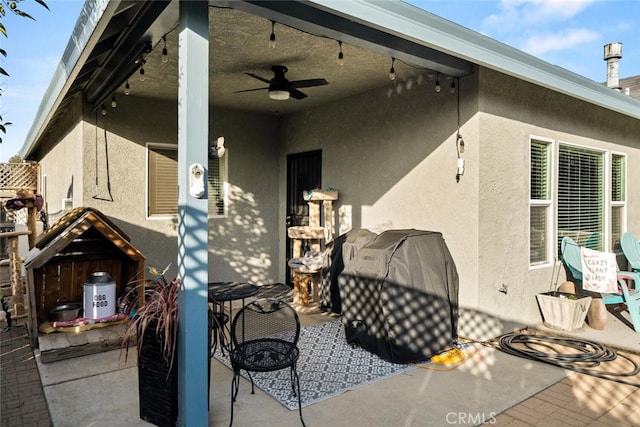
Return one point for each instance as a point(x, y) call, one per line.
point(612, 54)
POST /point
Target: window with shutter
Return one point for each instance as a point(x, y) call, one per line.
point(162, 182)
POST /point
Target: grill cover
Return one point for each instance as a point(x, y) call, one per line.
point(338, 253)
point(399, 296)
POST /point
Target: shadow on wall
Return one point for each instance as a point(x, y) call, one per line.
point(240, 243)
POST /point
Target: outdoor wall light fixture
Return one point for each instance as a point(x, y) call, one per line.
point(438, 82)
point(103, 110)
point(392, 70)
point(340, 55)
point(165, 53)
point(114, 104)
point(272, 37)
point(127, 88)
point(452, 89)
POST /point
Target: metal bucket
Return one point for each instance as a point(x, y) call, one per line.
point(99, 296)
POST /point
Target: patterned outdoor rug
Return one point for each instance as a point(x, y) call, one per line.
point(327, 367)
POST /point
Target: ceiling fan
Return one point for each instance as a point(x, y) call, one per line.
point(280, 88)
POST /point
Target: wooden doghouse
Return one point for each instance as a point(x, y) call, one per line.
point(83, 241)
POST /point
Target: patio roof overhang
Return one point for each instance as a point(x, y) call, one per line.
point(111, 37)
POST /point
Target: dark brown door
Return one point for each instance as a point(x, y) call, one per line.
point(304, 172)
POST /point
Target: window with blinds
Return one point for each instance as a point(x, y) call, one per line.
point(217, 182)
point(581, 196)
point(540, 202)
point(618, 198)
point(162, 182)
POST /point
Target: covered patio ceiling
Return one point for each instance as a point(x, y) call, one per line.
point(113, 36)
point(307, 43)
point(240, 44)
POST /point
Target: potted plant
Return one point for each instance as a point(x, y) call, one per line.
point(153, 324)
point(563, 310)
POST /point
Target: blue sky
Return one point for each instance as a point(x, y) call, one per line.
point(567, 33)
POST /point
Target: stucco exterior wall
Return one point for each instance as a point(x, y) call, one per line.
point(244, 246)
point(110, 162)
point(391, 155)
point(62, 168)
point(512, 111)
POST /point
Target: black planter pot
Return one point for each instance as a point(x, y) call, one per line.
point(157, 385)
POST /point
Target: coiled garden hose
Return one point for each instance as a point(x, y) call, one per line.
point(587, 356)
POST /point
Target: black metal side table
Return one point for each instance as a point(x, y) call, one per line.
point(219, 294)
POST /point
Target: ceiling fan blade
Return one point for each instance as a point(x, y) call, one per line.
point(251, 90)
point(309, 83)
point(262, 79)
point(295, 93)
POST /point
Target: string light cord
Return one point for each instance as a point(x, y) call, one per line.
point(316, 35)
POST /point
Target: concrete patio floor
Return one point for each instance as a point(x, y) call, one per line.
point(491, 387)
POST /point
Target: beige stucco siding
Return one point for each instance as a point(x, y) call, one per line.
point(242, 246)
point(513, 112)
point(391, 155)
point(62, 168)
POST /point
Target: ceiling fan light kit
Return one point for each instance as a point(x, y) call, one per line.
point(282, 89)
point(279, 95)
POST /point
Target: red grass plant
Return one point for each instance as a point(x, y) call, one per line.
point(156, 300)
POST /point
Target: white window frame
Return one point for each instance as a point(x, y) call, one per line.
point(622, 204)
point(606, 186)
point(225, 185)
point(545, 203)
point(552, 204)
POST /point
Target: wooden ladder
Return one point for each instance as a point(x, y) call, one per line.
point(13, 287)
